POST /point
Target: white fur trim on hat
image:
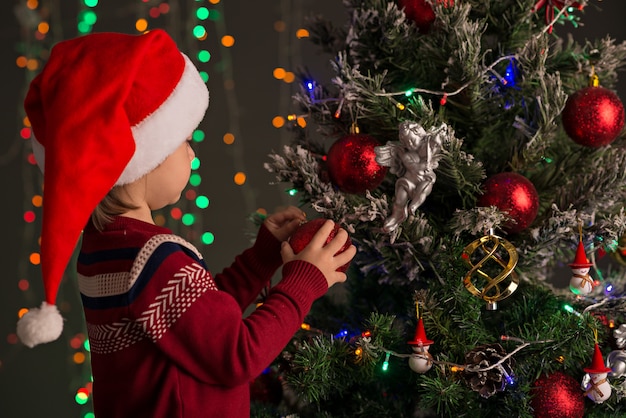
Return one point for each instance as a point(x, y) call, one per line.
point(40, 325)
point(159, 134)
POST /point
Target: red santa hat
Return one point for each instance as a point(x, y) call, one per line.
point(581, 260)
point(420, 335)
point(597, 363)
point(106, 109)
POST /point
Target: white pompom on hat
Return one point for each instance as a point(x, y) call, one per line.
point(106, 109)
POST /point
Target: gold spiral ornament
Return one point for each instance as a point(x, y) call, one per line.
point(492, 261)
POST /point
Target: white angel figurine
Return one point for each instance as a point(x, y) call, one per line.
point(413, 159)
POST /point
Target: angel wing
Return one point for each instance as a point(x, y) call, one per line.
point(388, 155)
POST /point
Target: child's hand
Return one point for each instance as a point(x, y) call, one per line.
point(322, 255)
point(284, 222)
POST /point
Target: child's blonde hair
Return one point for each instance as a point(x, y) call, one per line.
point(112, 205)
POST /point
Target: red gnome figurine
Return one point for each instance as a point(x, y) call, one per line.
point(581, 282)
point(421, 360)
point(597, 387)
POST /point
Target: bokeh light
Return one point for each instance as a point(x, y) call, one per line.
point(208, 238)
point(278, 122)
point(199, 31)
point(198, 136)
point(204, 56)
point(141, 25)
point(228, 138)
point(239, 178)
point(202, 202)
point(176, 213)
point(202, 13)
point(29, 216)
point(279, 73)
point(228, 41)
point(195, 179)
point(35, 258)
point(188, 219)
point(37, 201)
point(302, 33)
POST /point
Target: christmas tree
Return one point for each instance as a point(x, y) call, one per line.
point(471, 152)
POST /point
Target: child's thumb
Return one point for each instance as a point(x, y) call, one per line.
point(286, 251)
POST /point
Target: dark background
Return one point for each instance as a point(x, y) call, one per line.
point(43, 381)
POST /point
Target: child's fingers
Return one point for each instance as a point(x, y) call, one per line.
point(320, 237)
point(338, 241)
point(286, 251)
point(346, 256)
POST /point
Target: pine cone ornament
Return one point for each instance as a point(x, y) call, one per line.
point(487, 382)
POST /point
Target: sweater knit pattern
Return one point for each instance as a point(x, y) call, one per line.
point(181, 292)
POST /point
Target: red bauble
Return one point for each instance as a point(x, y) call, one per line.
point(421, 12)
point(514, 194)
point(302, 236)
point(557, 395)
point(352, 165)
point(593, 116)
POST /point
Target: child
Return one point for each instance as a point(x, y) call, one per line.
point(112, 115)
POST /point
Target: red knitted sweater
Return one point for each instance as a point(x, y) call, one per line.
point(169, 340)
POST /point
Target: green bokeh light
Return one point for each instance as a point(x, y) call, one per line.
point(204, 56)
point(195, 163)
point(202, 13)
point(83, 27)
point(202, 202)
point(81, 398)
point(198, 135)
point(188, 219)
point(91, 3)
point(195, 179)
point(199, 31)
point(208, 238)
point(88, 16)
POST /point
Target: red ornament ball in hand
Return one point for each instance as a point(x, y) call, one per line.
point(514, 194)
point(303, 235)
point(593, 116)
point(352, 165)
point(557, 395)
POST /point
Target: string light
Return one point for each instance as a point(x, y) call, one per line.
point(570, 309)
point(386, 362)
point(342, 334)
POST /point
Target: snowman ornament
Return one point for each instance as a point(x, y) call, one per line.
point(595, 383)
point(421, 360)
point(581, 282)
